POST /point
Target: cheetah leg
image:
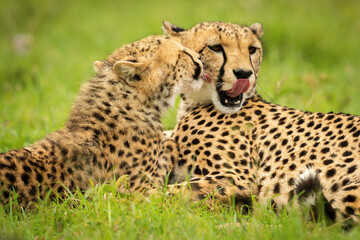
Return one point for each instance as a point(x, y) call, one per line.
point(168, 154)
point(222, 187)
point(149, 182)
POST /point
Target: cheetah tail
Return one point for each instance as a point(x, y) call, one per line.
point(309, 190)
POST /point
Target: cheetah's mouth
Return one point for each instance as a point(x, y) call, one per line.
point(233, 98)
point(227, 101)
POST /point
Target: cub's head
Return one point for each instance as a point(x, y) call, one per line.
point(231, 55)
point(155, 69)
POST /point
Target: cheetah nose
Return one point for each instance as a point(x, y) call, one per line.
point(206, 77)
point(240, 86)
point(242, 74)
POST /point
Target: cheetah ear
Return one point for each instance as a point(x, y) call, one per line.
point(171, 29)
point(98, 65)
point(128, 70)
point(257, 29)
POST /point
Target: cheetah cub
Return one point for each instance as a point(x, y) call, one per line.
point(114, 126)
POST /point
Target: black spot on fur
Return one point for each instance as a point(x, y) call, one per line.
point(347, 153)
point(349, 210)
point(325, 150)
point(10, 177)
point(292, 167)
point(334, 187)
point(327, 162)
point(98, 116)
point(276, 188)
point(330, 173)
point(352, 169)
point(25, 178)
point(349, 198)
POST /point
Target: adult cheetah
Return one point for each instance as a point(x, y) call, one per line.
point(114, 126)
point(265, 149)
point(231, 55)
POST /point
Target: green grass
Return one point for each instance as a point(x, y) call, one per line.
point(311, 62)
point(103, 213)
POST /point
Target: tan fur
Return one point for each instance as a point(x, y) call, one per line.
point(264, 148)
point(114, 126)
point(98, 65)
point(235, 41)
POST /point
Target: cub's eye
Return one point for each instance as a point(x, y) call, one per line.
point(137, 77)
point(132, 60)
point(252, 50)
point(216, 48)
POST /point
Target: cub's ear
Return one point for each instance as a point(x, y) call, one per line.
point(98, 65)
point(128, 70)
point(171, 29)
point(257, 29)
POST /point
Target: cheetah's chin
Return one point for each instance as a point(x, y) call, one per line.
point(196, 85)
point(192, 86)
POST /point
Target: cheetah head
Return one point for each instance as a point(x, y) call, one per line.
point(231, 55)
point(156, 69)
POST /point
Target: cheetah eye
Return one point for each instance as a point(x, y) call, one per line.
point(216, 48)
point(136, 77)
point(252, 50)
point(132, 60)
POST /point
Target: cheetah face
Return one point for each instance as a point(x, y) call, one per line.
point(231, 55)
point(157, 68)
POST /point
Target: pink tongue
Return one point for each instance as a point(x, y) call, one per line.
point(240, 86)
point(206, 77)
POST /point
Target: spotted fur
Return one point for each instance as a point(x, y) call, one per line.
point(310, 195)
point(264, 148)
point(228, 52)
point(114, 126)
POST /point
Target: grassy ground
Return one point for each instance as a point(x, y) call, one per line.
point(102, 213)
point(47, 48)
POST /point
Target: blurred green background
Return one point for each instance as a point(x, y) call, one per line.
point(47, 48)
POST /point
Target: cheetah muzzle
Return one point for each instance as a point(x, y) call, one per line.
point(231, 55)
